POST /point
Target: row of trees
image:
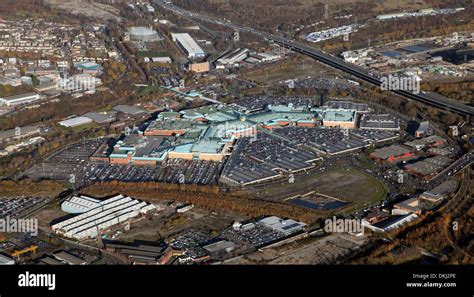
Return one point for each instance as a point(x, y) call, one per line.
point(207, 197)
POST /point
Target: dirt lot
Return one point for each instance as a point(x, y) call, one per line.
point(310, 251)
point(284, 70)
point(169, 223)
point(87, 8)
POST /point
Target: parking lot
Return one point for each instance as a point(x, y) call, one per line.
point(191, 243)
point(77, 153)
point(254, 237)
point(168, 81)
point(16, 206)
point(172, 171)
point(323, 140)
point(262, 159)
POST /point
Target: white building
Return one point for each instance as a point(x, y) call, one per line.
point(19, 99)
point(74, 122)
point(188, 45)
point(111, 212)
point(79, 204)
point(234, 56)
point(286, 227)
point(393, 222)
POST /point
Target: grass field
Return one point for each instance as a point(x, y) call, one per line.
point(83, 127)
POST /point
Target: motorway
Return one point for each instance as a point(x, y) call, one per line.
point(461, 163)
point(432, 99)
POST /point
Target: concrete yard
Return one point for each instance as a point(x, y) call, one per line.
point(308, 251)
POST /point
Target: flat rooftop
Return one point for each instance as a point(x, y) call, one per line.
point(390, 151)
point(339, 115)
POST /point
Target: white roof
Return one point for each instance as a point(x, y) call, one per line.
point(285, 226)
point(188, 43)
point(75, 122)
point(4, 260)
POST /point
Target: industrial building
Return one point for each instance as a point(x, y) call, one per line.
point(75, 122)
point(440, 192)
point(430, 141)
point(138, 251)
point(428, 167)
point(4, 260)
point(47, 260)
point(286, 227)
point(188, 45)
point(15, 100)
point(390, 223)
point(69, 258)
point(110, 212)
point(233, 57)
point(130, 110)
point(79, 204)
point(100, 118)
point(199, 67)
point(392, 154)
point(16, 134)
point(143, 34)
point(220, 248)
point(428, 200)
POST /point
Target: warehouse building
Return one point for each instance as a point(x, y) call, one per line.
point(100, 118)
point(430, 141)
point(138, 251)
point(392, 154)
point(428, 200)
point(233, 57)
point(129, 110)
point(79, 204)
point(75, 122)
point(199, 67)
point(440, 192)
point(19, 99)
point(286, 227)
point(47, 260)
point(69, 258)
point(428, 167)
point(219, 249)
point(4, 260)
point(143, 34)
point(111, 212)
point(392, 222)
point(19, 133)
point(188, 45)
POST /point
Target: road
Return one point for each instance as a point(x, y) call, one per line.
point(432, 99)
point(455, 167)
